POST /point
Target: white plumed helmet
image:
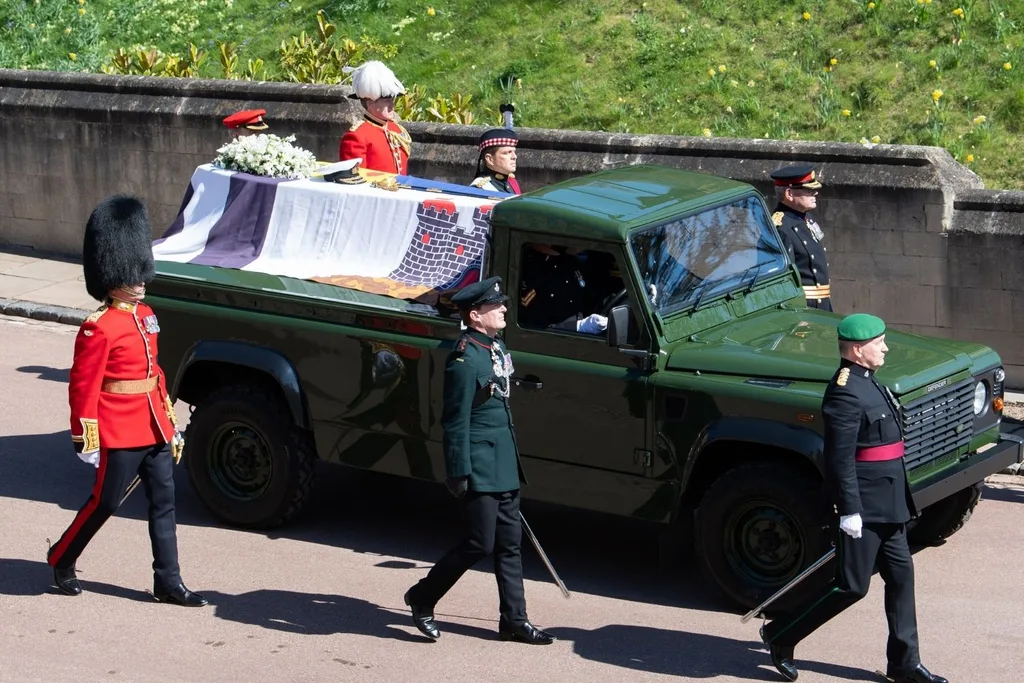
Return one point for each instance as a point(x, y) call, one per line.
point(373, 80)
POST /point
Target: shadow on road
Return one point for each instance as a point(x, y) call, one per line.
point(1006, 494)
point(691, 655)
point(26, 577)
point(313, 614)
point(47, 373)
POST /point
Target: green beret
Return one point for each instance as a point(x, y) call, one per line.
point(860, 327)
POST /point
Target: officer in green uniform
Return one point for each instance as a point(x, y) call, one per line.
point(866, 475)
point(482, 468)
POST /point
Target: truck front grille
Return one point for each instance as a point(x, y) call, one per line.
point(939, 423)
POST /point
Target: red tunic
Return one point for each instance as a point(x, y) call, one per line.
point(117, 391)
point(381, 146)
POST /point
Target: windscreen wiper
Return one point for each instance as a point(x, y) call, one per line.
point(700, 297)
point(753, 280)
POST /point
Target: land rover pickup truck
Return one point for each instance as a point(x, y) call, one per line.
point(698, 408)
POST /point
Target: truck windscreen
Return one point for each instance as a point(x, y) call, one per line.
point(690, 260)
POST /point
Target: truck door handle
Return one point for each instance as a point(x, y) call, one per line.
point(532, 383)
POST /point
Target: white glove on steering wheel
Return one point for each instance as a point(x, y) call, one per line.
point(592, 324)
point(851, 524)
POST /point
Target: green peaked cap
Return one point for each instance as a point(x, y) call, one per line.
point(860, 327)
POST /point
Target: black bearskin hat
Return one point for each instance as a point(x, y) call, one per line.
point(118, 247)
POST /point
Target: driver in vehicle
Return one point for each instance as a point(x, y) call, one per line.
point(558, 285)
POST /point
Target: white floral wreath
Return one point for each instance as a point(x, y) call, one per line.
point(266, 155)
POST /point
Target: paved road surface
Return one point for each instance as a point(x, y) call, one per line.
point(322, 600)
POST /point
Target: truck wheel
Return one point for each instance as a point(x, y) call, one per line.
point(247, 460)
point(758, 526)
point(941, 520)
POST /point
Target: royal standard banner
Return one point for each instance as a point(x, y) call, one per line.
point(407, 243)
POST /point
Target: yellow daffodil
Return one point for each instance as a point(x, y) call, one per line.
point(81, 10)
point(81, 2)
point(875, 139)
point(711, 72)
point(67, 30)
point(31, 25)
point(978, 120)
point(833, 61)
point(72, 56)
point(970, 158)
point(958, 12)
point(936, 95)
point(871, 5)
point(1007, 66)
point(430, 12)
point(751, 84)
point(519, 83)
point(807, 16)
point(707, 132)
point(846, 112)
point(721, 68)
point(932, 64)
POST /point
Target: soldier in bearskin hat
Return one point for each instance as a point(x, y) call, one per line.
point(378, 139)
point(498, 154)
point(122, 419)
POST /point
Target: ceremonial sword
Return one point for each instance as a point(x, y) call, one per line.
point(543, 556)
point(782, 591)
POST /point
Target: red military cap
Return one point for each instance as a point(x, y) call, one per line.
point(250, 118)
point(802, 176)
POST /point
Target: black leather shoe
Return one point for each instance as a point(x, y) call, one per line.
point(179, 595)
point(526, 633)
point(782, 659)
point(918, 675)
point(67, 581)
point(423, 619)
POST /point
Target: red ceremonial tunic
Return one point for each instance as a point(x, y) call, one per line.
point(117, 391)
point(382, 146)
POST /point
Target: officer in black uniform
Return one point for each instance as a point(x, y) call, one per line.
point(796, 188)
point(482, 468)
point(866, 476)
point(553, 291)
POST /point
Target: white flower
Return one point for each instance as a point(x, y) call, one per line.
point(266, 155)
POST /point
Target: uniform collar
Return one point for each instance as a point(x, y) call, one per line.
point(856, 368)
point(126, 306)
point(374, 120)
point(480, 338)
point(789, 209)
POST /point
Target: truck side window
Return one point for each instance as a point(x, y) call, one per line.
point(560, 286)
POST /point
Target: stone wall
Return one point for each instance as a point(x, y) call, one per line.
point(912, 235)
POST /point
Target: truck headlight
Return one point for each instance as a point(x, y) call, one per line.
point(980, 398)
point(1000, 374)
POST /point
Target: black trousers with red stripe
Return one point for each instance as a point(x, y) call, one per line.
point(117, 468)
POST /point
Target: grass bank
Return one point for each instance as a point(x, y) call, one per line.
point(934, 72)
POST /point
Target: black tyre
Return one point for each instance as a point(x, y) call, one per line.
point(247, 460)
point(940, 520)
point(757, 527)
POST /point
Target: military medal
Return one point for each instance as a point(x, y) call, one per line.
point(502, 371)
point(151, 324)
point(815, 229)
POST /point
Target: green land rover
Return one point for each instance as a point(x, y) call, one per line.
point(698, 408)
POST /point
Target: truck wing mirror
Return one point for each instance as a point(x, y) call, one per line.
point(618, 326)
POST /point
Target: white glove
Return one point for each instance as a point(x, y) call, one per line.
point(592, 324)
point(91, 457)
point(851, 524)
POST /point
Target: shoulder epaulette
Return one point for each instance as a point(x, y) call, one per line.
point(777, 218)
point(356, 125)
point(462, 343)
point(844, 375)
point(478, 182)
point(97, 314)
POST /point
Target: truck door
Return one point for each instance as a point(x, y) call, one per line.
point(579, 406)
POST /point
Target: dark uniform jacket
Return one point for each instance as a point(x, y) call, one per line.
point(860, 413)
point(802, 238)
point(479, 438)
point(551, 292)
